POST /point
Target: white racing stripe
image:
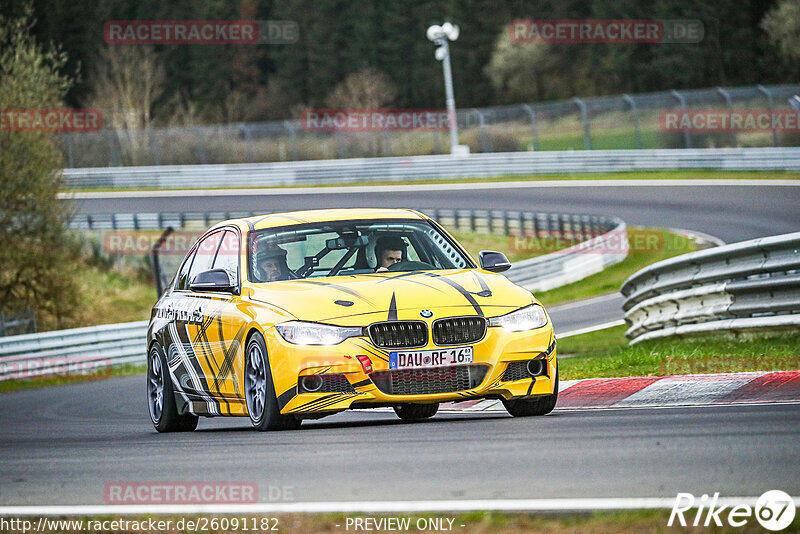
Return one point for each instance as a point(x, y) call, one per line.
point(510, 505)
point(456, 186)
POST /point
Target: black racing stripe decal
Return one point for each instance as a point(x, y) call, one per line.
point(393, 309)
point(530, 388)
point(183, 339)
point(458, 287)
point(313, 404)
point(286, 397)
point(338, 287)
point(485, 291)
point(339, 398)
point(402, 277)
point(322, 371)
point(363, 383)
point(230, 355)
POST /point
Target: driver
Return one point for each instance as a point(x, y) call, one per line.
point(389, 250)
point(271, 264)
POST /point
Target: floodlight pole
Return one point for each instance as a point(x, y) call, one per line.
point(449, 98)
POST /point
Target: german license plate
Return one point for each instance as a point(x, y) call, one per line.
point(411, 359)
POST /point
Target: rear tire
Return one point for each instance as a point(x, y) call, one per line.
point(262, 403)
point(416, 412)
point(540, 405)
point(161, 396)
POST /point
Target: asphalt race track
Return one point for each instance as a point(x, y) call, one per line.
point(61, 445)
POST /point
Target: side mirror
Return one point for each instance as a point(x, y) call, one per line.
point(213, 280)
point(495, 262)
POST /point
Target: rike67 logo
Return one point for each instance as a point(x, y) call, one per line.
point(774, 510)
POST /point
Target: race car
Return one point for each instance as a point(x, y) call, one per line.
point(299, 315)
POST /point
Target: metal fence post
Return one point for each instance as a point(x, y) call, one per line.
point(687, 141)
point(293, 138)
point(770, 106)
point(534, 129)
point(727, 97)
point(637, 134)
point(587, 134)
point(154, 147)
point(485, 144)
point(248, 141)
point(70, 152)
point(156, 265)
point(113, 153)
point(202, 145)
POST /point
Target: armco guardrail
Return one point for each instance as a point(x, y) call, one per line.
point(433, 167)
point(70, 352)
point(738, 287)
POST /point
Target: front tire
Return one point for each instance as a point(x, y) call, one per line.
point(416, 412)
point(161, 396)
point(540, 405)
point(262, 402)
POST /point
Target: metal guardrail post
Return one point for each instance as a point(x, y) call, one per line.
point(534, 127)
point(770, 106)
point(587, 134)
point(687, 140)
point(727, 97)
point(637, 134)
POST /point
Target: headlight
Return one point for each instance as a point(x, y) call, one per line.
point(526, 318)
point(302, 333)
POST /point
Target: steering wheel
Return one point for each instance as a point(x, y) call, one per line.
point(410, 266)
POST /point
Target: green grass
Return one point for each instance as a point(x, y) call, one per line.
point(606, 353)
point(664, 245)
point(475, 242)
point(634, 175)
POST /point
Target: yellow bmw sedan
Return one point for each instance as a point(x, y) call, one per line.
point(300, 315)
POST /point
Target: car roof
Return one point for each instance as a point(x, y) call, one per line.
point(272, 220)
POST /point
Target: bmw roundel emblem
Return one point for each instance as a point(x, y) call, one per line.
point(427, 314)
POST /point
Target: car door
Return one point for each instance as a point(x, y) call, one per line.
point(217, 336)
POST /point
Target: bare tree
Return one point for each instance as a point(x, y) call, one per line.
point(367, 88)
point(125, 84)
point(782, 24)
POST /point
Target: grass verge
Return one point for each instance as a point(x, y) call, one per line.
point(606, 353)
point(633, 175)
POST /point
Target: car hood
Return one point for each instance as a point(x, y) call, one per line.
point(362, 299)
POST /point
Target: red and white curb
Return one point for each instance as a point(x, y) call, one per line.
point(653, 391)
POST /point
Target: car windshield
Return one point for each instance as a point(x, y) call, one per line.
point(350, 247)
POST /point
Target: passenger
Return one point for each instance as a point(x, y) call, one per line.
point(388, 251)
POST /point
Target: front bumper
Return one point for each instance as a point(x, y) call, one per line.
point(495, 351)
